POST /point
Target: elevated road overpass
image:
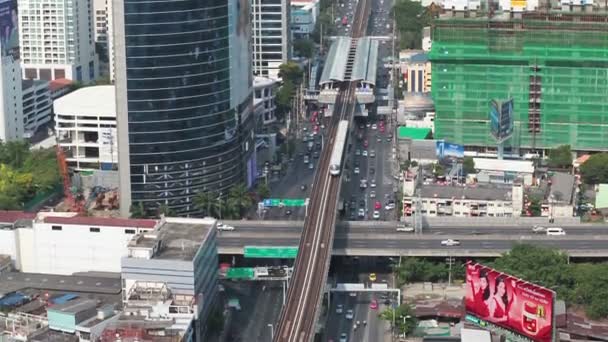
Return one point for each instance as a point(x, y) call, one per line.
point(268, 228)
point(383, 244)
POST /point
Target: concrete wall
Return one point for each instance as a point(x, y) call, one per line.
point(440, 221)
point(76, 249)
point(8, 244)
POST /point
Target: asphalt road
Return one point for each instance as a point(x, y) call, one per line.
point(423, 243)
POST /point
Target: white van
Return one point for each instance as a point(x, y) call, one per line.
point(555, 231)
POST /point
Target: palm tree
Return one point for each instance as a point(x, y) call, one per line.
point(164, 209)
point(205, 201)
point(138, 210)
point(263, 191)
point(239, 199)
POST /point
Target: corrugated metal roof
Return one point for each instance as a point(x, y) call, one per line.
point(335, 63)
point(366, 61)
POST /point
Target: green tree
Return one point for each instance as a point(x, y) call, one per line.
point(535, 207)
point(419, 269)
point(164, 209)
point(263, 191)
point(560, 157)
point(292, 72)
point(324, 26)
point(284, 96)
point(137, 210)
point(411, 17)
point(468, 165)
point(403, 317)
point(304, 48)
point(594, 170)
point(204, 201)
point(239, 200)
point(543, 266)
point(438, 170)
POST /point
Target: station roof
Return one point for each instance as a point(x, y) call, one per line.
point(366, 61)
point(335, 64)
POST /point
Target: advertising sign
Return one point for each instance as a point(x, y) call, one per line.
point(448, 150)
point(501, 119)
point(509, 302)
point(9, 29)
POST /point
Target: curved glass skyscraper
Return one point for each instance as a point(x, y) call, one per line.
point(183, 105)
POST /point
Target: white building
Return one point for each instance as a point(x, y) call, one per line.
point(37, 105)
point(85, 122)
point(102, 23)
point(265, 91)
point(64, 243)
point(502, 171)
point(304, 15)
point(172, 272)
point(464, 201)
point(56, 40)
point(271, 33)
point(416, 71)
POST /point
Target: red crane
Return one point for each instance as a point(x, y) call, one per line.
point(74, 204)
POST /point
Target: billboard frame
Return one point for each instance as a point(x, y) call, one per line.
point(528, 313)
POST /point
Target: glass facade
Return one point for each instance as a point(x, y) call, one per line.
point(184, 134)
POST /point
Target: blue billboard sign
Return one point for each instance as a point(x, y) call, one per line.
point(501, 119)
point(9, 29)
point(448, 150)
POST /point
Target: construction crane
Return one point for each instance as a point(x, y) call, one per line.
point(74, 203)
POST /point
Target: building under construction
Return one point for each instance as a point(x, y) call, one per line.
point(554, 65)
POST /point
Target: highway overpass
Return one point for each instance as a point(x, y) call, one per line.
point(404, 244)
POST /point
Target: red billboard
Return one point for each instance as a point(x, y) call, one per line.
point(509, 302)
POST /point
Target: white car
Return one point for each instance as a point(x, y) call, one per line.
point(372, 154)
point(357, 152)
point(221, 226)
point(356, 170)
point(364, 153)
point(339, 308)
point(343, 337)
point(372, 194)
point(450, 242)
point(538, 229)
point(372, 183)
point(361, 213)
point(349, 314)
point(404, 228)
point(390, 206)
point(374, 126)
point(311, 166)
point(376, 215)
point(363, 184)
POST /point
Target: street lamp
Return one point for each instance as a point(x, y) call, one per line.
point(271, 331)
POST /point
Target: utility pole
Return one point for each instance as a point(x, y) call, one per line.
point(450, 262)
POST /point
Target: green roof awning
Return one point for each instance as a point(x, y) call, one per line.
point(413, 133)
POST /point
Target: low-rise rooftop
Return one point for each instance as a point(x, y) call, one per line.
point(177, 238)
point(74, 306)
point(479, 192)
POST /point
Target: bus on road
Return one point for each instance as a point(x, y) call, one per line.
point(335, 163)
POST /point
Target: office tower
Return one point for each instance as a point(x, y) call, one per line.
point(11, 112)
point(553, 65)
point(56, 38)
point(271, 36)
point(184, 100)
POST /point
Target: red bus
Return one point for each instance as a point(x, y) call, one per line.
point(344, 21)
